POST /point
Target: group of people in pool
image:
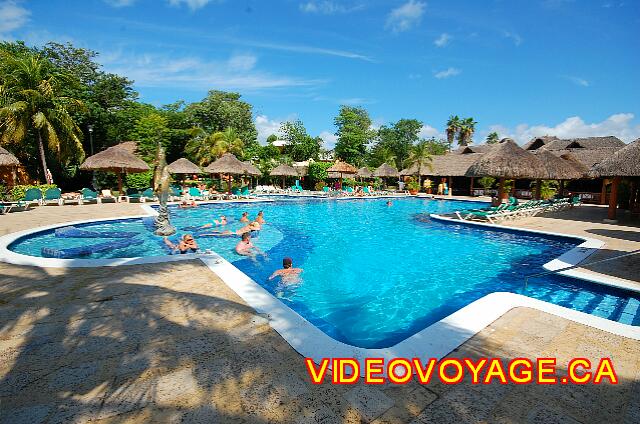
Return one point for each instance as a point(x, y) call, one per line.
point(244, 247)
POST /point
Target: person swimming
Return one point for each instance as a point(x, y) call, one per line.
point(221, 222)
point(184, 204)
point(245, 217)
point(260, 218)
point(250, 228)
point(288, 273)
point(187, 243)
point(246, 248)
point(389, 203)
point(254, 226)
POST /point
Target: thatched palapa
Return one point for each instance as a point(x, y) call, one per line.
point(507, 160)
point(283, 170)
point(558, 168)
point(7, 159)
point(364, 173)
point(623, 163)
point(385, 170)
point(252, 170)
point(343, 168)
point(227, 164)
point(115, 159)
point(183, 166)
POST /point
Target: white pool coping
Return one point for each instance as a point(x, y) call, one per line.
point(437, 340)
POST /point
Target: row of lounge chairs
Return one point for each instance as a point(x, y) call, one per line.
point(514, 210)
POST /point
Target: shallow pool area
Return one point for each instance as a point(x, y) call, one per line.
point(375, 274)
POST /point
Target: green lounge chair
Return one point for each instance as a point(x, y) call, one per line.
point(133, 194)
point(88, 195)
point(325, 189)
point(148, 194)
point(32, 195)
point(196, 193)
point(245, 191)
point(235, 191)
point(53, 195)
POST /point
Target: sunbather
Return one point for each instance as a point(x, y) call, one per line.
point(187, 243)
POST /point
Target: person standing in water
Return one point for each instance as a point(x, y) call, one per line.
point(260, 218)
point(245, 217)
point(288, 273)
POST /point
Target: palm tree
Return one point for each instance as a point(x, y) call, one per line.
point(453, 126)
point(206, 147)
point(467, 128)
point(420, 156)
point(30, 100)
point(492, 138)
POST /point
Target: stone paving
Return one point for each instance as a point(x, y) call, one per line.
point(172, 343)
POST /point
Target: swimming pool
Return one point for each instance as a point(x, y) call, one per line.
point(374, 275)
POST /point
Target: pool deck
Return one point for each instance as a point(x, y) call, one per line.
point(172, 343)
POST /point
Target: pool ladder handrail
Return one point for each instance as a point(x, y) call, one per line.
point(580, 265)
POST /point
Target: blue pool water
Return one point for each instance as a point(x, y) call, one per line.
point(374, 275)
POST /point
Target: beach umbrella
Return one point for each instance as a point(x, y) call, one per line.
point(115, 159)
point(385, 170)
point(507, 160)
point(183, 166)
point(342, 168)
point(623, 163)
point(7, 160)
point(283, 170)
point(227, 164)
point(364, 173)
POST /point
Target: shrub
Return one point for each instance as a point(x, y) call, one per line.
point(349, 182)
point(486, 182)
point(18, 191)
point(318, 171)
point(320, 185)
point(413, 185)
point(139, 181)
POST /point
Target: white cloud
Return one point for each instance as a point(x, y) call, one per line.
point(266, 127)
point(406, 16)
point(427, 131)
point(517, 40)
point(329, 139)
point(449, 72)
point(442, 40)
point(12, 16)
point(621, 125)
point(578, 81)
point(298, 48)
point(192, 4)
point(236, 73)
point(328, 7)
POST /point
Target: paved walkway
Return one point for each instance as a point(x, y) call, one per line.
point(172, 343)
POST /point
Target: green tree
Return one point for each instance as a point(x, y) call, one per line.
point(300, 145)
point(318, 171)
point(420, 157)
point(150, 130)
point(32, 103)
point(354, 134)
point(397, 139)
point(492, 138)
point(205, 147)
point(437, 147)
point(453, 126)
point(465, 134)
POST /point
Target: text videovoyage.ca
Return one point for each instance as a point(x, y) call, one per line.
point(456, 370)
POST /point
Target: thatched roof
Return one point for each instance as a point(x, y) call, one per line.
point(343, 168)
point(7, 159)
point(578, 165)
point(252, 169)
point(507, 160)
point(591, 143)
point(538, 142)
point(364, 172)
point(115, 159)
point(624, 163)
point(480, 148)
point(385, 170)
point(283, 170)
point(558, 168)
point(129, 146)
point(587, 157)
point(183, 166)
point(227, 164)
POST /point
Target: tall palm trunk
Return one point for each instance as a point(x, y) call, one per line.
point(48, 180)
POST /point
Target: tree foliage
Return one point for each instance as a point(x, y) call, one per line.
point(300, 145)
point(354, 134)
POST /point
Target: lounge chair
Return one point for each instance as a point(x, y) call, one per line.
point(88, 195)
point(107, 195)
point(149, 195)
point(174, 193)
point(32, 195)
point(53, 195)
point(6, 207)
point(195, 193)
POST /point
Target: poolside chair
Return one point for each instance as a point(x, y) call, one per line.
point(195, 193)
point(148, 194)
point(53, 195)
point(245, 192)
point(174, 193)
point(32, 195)
point(107, 195)
point(235, 191)
point(132, 194)
point(88, 195)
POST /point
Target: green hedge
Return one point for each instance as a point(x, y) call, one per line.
point(17, 192)
point(139, 181)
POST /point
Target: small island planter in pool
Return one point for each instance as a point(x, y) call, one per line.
point(358, 285)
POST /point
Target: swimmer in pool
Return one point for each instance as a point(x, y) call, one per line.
point(260, 218)
point(254, 226)
point(245, 217)
point(246, 248)
point(187, 243)
point(222, 222)
point(288, 273)
point(184, 204)
point(389, 203)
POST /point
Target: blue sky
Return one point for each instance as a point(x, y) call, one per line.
point(523, 68)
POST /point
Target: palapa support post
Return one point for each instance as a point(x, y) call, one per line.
point(613, 202)
point(603, 192)
point(538, 189)
point(471, 187)
point(450, 186)
point(501, 193)
point(120, 183)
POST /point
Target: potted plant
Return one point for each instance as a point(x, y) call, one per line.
point(413, 187)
